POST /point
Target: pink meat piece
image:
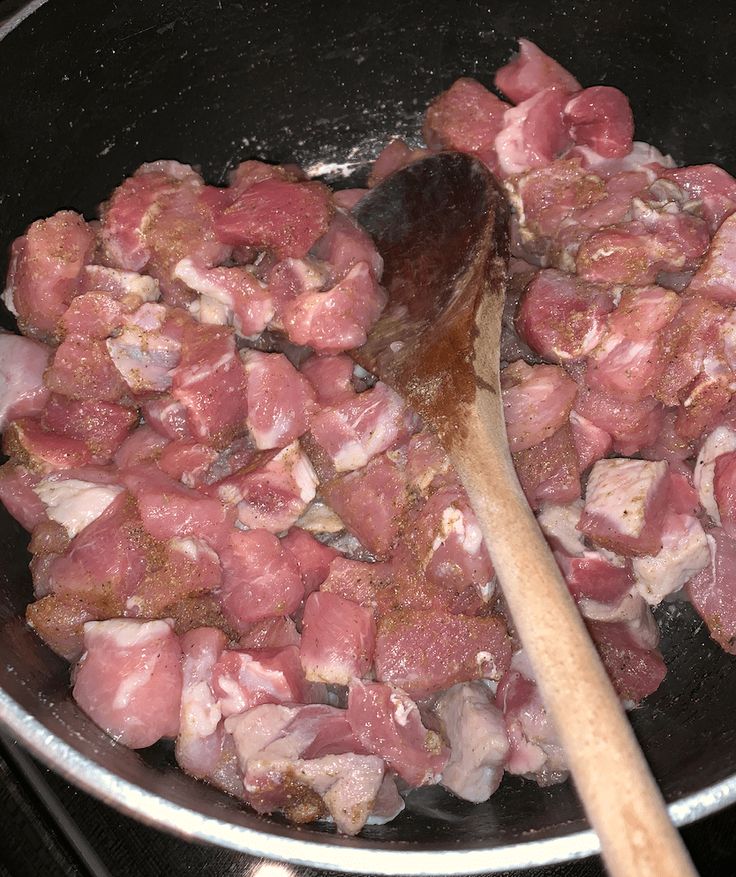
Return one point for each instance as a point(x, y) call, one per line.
point(338, 639)
point(231, 295)
point(45, 271)
point(353, 432)
point(102, 426)
point(210, 384)
point(199, 746)
point(393, 157)
point(625, 368)
point(311, 556)
point(331, 378)
point(28, 443)
point(371, 502)
point(18, 496)
point(288, 279)
point(427, 463)
point(345, 245)
point(22, 366)
point(387, 723)
point(537, 401)
point(713, 590)
point(684, 553)
point(424, 651)
point(242, 679)
point(143, 351)
point(93, 315)
point(476, 733)
point(600, 117)
point(530, 72)
point(635, 671)
point(466, 118)
point(273, 491)
point(534, 133)
point(534, 748)
point(716, 277)
point(643, 312)
point(167, 417)
point(128, 212)
point(550, 471)
point(248, 173)
point(709, 184)
point(632, 425)
point(625, 503)
point(169, 509)
point(668, 445)
point(347, 199)
point(562, 318)
point(724, 490)
point(271, 633)
point(279, 399)
point(83, 369)
point(284, 216)
point(340, 318)
point(260, 578)
point(683, 497)
point(188, 462)
point(60, 624)
point(593, 577)
point(591, 442)
point(143, 445)
point(127, 288)
point(129, 680)
point(106, 561)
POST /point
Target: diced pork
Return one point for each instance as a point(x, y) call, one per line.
point(600, 117)
point(243, 679)
point(713, 590)
point(537, 401)
point(22, 390)
point(716, 277)
point(338, 639)
point(721, 441)
point(530, 72)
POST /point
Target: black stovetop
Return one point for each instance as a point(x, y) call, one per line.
point(50, 828)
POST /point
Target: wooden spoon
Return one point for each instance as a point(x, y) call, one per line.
point(440, 225)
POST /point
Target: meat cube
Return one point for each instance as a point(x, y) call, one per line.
point(595, 581)
point(260, 578)
point(476, 733)
point(712, 186)
point(19, 498)
point(129, 680)
point(537, 401)
point(338, 639)
point(59, 621)
point(534, 748)
point(559, 523)
point(371, 502)
point(128, 288)
point(244, 679)
point(713, 590)
point(591, 442)
point(387, 722)
point(45, 271)
point(92, 315)
point(562, 318)
point(716, 277)
point(530, 72)
point(188, 462)
point(277, 214)
point(340, 318)
point(22, 390)
point(331, 378)
point(466, 118)
point(643, 312)
point(722, 440)
point(549, 471)
point(82, 368)
point(600, 117)
point(280, 400)
point(143, 445)
point(625, 503)
point(28, 443)
point(199, 746)
point(290, 278)
point(424, 651)
point(312, 557)
point(143, 352)
point(102, 426)
point(632, 425)
point(724, 490)
point(74, 503)
point(635, 671)
point(684, 553)
point(345, 244)
point(272, 491)
point(354, 431)
point(625, 368)
point(271, 633)
point(534, 133)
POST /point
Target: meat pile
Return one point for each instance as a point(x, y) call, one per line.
point(243, 542)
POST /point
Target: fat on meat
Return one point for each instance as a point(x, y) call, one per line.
point(722, 440)
point(476, 734)
point(534, 133)
point(74, 503)
point(23, 362)
point(129, 679)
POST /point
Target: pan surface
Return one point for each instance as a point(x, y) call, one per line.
point(92, 89)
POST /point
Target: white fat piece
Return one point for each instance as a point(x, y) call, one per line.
point(684, 552)
point(559, 522)
point(73, 503)
point(619, 489)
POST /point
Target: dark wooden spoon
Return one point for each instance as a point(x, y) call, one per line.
point(440, 225)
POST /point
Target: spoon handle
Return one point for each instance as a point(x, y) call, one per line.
point(613, 780)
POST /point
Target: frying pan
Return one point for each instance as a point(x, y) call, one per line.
point(91, 89)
